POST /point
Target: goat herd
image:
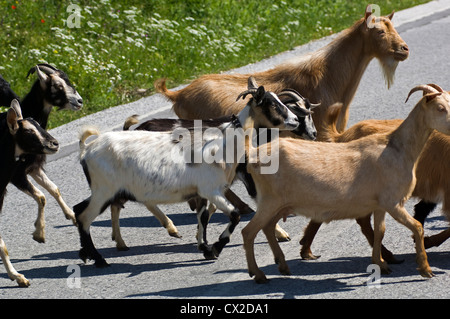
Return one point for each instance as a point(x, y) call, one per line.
point(369, 169)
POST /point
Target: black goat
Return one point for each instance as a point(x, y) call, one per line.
point(6, 94)
point(52, 88)
point(19, 137)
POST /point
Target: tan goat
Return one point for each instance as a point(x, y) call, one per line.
point(347, 180)
point(327, 75)
point(431, 186)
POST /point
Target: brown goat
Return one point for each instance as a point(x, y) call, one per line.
point(374, 174)
point(431, 186)
point(327, 75)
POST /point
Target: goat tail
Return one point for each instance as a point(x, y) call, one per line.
point(160, 87)
point(329, 127)
point(130, 121)
point(85, 133)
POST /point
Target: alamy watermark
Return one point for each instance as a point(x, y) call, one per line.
point(374, 18)
point(74, 19)
point(374, 280)
point(228, 146)
point(74, 279)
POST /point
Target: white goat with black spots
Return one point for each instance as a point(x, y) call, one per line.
point(152, 168)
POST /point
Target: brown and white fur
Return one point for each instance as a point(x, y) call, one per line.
point(374, 174)
point(328, 75)
point(147, 167)
point(431, 173)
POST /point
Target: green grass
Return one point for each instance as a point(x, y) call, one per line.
point(123, 46)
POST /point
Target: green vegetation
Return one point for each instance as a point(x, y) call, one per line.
point(123, 46)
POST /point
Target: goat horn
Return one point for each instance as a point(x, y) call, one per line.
point(314, 105)
point(427, 89)
point(245, 93)
point(437, 87)
point(44, 67)
point(292, 93)
point(251, 83)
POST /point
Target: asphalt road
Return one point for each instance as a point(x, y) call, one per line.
point(159, 266)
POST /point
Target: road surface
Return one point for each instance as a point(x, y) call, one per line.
point(159, 266)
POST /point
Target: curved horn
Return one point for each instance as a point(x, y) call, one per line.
point(427, 89)
point(315, 105)
point(251, 83)
point(44, 67)
point(294, 94)
point(245, 93)
point(437, 87)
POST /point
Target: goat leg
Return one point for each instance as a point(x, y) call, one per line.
point(238, 203)
point(115, 222)
point(400, 214)
point(280, 260)
point(436, 240)
point(366, 229)
point(42, 179)
point(380, 228)
point(165, 221)
point(244, 209)
point(422, 209)
point(12, 273)
point(85, 213)
point(308, 237)
point(224, 238)
point(217, 197)
point(203, 215)
point(21, 181)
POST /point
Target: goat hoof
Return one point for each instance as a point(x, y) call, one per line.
point(209, 255)
point(39, 239)
point(83, 254)
point(176, 235)
point(122, 248)
point(22, 281)
point(72, 218)
point(283, 239)
point(309, 256)
point(207, 251)
point(101, 263)
point(217, 248)
point(262, 279)
point(284, 270)
point(427, 273)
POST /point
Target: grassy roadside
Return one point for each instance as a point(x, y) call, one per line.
point(122, 46)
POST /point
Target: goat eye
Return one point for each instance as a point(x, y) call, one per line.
point(58, 87)
point(441, 108)
point(381, 32)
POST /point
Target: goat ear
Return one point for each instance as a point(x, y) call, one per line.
point(13, 116)
point(429, 97)
point(391, 15)
point(259, 95)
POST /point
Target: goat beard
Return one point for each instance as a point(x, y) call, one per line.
point(389, 65)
